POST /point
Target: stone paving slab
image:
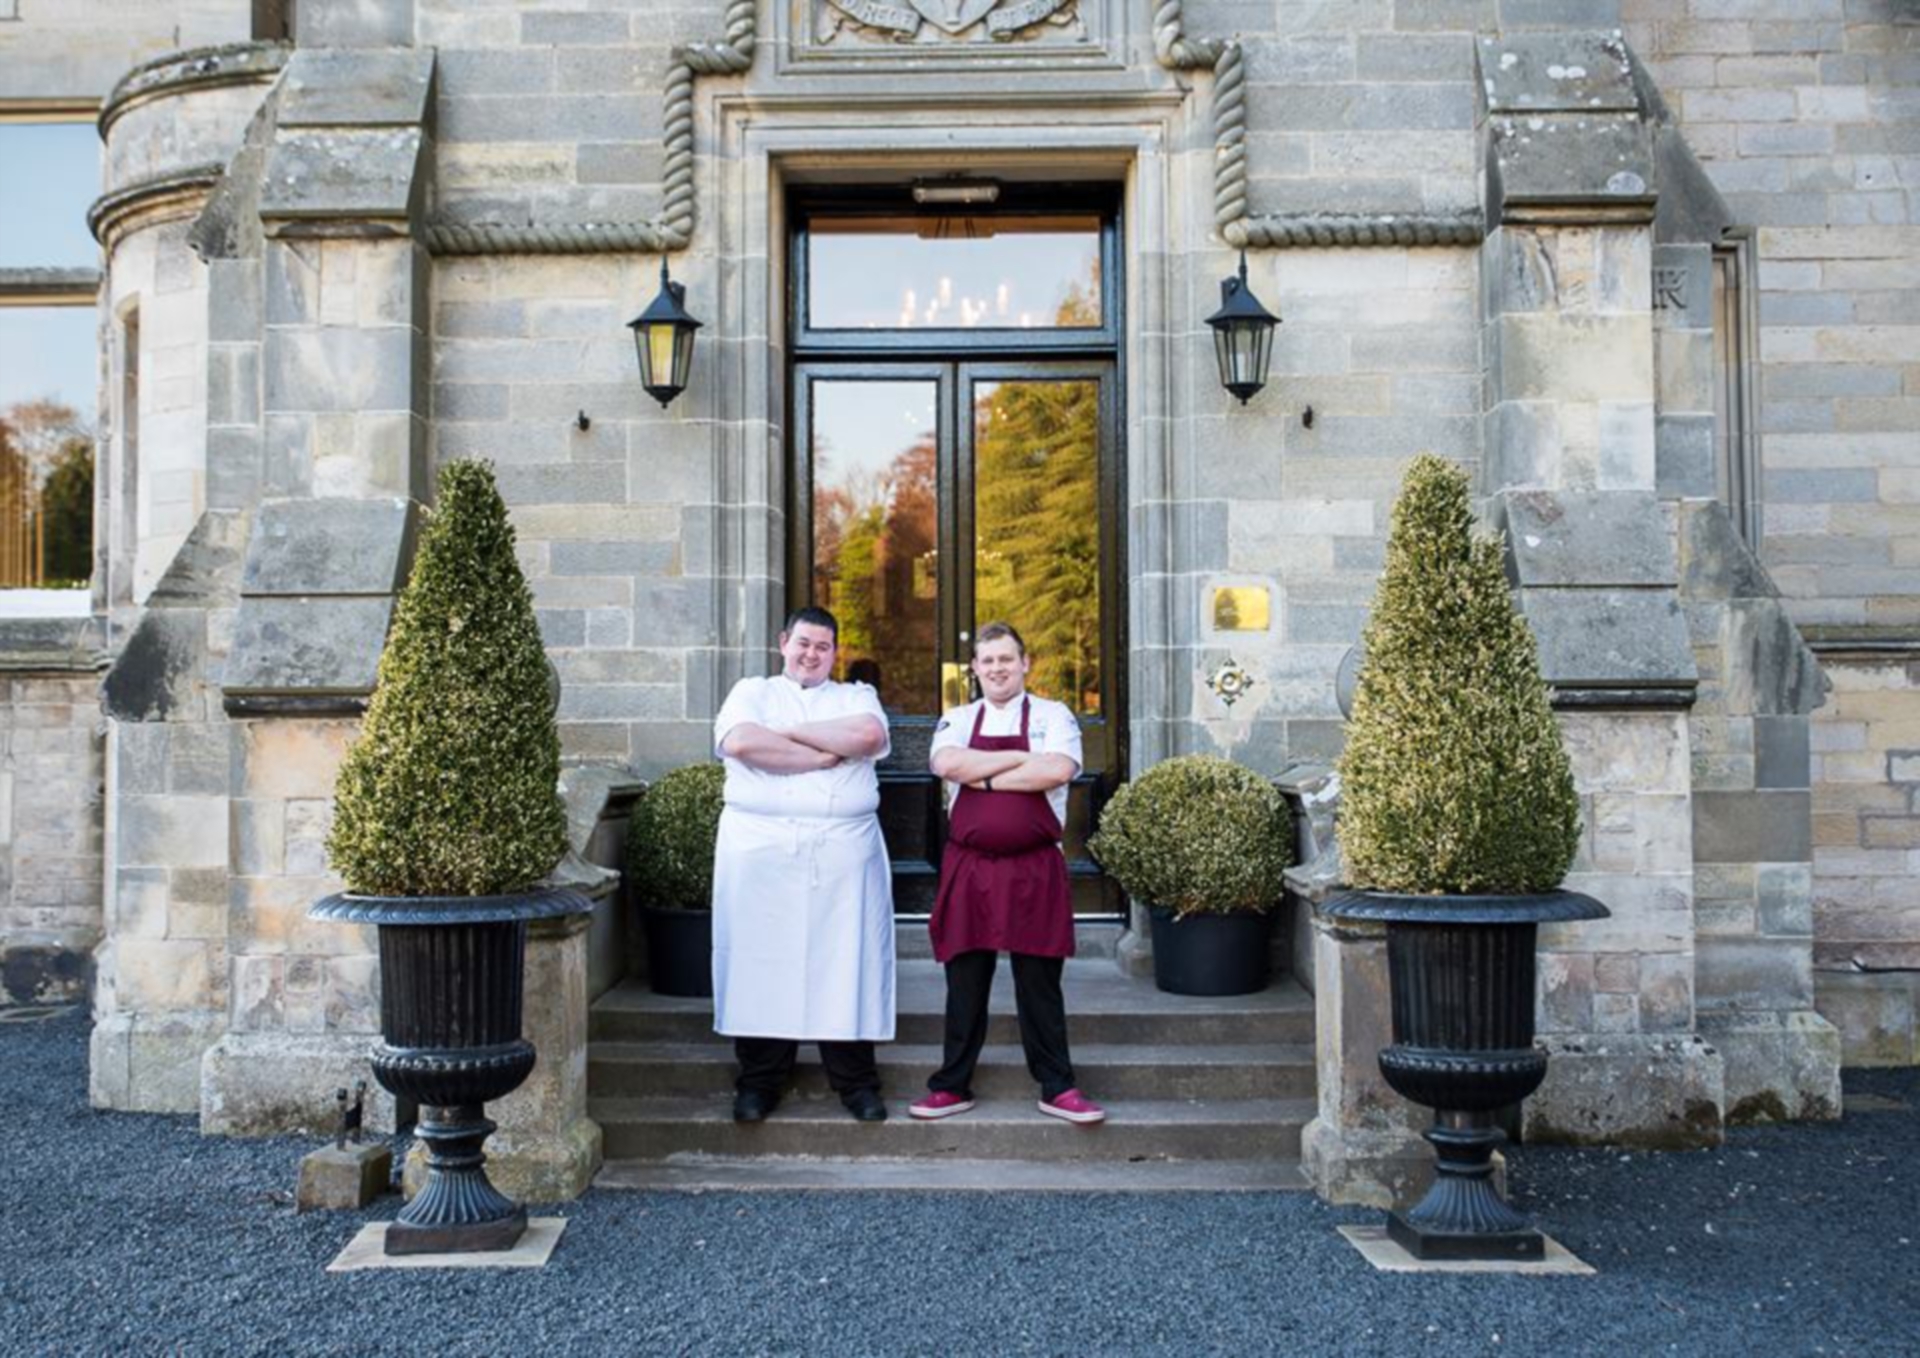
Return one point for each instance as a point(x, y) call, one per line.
point(367, 1250)
point(1388, 1256)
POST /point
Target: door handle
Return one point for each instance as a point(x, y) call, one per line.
point(954, 691)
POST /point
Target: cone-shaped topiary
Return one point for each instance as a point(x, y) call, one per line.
point(1454, 779)
point(671, 835)
point(450, 789)
point(1197, 834)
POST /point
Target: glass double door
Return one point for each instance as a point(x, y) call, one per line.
point(935, 497)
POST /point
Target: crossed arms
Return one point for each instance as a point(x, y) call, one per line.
point(808, 747)
point(1011, 770)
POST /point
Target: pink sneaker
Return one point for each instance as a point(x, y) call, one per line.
point(1073, 1106)
point(938, 1104)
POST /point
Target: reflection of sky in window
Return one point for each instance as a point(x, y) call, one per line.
point(859, 428)
point(49, 352)
point(1011, 280)
point(52, 173)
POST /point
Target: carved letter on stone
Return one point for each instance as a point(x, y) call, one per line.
point(1669, 289)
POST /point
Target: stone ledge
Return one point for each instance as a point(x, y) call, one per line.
point(50, 285)
point(150, 1063)
point(1779, 1067)
point(53, 645)
point(1658, 1092)
point(267, 1084)
point(196, 68)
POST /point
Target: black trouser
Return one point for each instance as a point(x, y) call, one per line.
point(1043, 1021)
point(766, 1065)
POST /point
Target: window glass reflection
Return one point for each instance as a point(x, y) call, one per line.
point(875, 534)
point(47, 375)
point(954, 272)
point(1037, 528)
point(54, 173)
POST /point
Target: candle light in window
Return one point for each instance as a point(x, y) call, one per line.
point(1026, 320)
point(1000, 298)
point(946, 292)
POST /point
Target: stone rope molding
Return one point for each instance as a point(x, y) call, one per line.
point(673, 228)
point(733, 54)
point(1238, 226)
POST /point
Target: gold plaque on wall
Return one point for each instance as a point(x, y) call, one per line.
point(1242, 608)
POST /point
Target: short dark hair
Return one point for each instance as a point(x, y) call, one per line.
point(994, 631)
point(818, 617)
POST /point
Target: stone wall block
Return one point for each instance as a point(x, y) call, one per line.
point(1753, 975)
point(290, 759)
point(171, 831)
point(339, 369)
point(1576, 538)
point(1636, 1090)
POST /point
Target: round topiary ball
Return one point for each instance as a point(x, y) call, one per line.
point(1197, 833)
point(1454, 778)
point(451, 788)
point(670, 839)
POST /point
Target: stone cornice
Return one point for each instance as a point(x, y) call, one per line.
point(199, 68)
point(179, 193)
point(76, 645)
point(48, 287)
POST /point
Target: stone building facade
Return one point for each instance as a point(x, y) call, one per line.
point(1650, 269)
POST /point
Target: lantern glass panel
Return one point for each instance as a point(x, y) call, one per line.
point(682, 356)
point(656, 356)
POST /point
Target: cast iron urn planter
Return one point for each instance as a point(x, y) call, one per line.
point(1461, 971)
point(452, 982)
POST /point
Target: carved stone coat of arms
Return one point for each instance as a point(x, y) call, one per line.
point(941, 20)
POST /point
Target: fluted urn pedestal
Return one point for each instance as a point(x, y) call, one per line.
point(1461, 973)
point(452, 983)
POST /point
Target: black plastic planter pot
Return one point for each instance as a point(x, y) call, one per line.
point(1207, 954)
point(451, 998)
point(1461, 971)
point(679, 951)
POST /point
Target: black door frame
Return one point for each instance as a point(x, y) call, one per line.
point(954, 359)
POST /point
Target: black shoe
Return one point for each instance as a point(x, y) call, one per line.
point(866, 1105)
point(753, 1105)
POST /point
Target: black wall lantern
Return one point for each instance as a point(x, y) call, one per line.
point(663, 334)
point(1242, 336)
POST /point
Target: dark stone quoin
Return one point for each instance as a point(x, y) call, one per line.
point(1461, 971)
point(452, 977)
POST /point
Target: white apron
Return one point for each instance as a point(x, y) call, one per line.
point(802, 890)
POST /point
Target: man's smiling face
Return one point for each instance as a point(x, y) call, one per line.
point(1001, 668)
point(808, 653)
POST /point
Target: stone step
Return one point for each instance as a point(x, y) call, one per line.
point(1104, 1007)
point(658, 1129)
point(1092, 940)
point(773, 1173)
point(1107, 1072)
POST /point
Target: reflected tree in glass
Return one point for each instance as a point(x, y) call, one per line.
point(874, 537)
point(1037, 528)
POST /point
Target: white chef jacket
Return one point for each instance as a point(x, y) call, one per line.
point(1051, 729)
point(802, 890)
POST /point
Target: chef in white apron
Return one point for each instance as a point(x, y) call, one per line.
point(802, 892)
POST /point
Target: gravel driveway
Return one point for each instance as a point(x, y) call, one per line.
point(128, 1234)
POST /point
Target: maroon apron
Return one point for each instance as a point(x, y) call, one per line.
point(1003, 879)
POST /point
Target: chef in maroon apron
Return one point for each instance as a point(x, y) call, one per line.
point(1003, 880)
